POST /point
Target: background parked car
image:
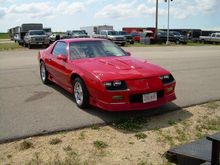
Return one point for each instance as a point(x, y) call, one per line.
point(111, 35)
point(36, 37)
point(213, 38)
point(54, 37)
point(162, 37)
point(136, 36)
point(147, 37)
point(179, 38)
point(129, 38)
point(76, 34)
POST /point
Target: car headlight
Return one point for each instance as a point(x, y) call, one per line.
point(166, 79)
point(115, 85)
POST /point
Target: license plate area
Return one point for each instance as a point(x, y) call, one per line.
point(149, 97)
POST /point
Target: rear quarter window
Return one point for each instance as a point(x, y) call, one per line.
point(59, 48)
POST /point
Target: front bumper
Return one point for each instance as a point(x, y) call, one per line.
point(119, 42)
point(39, 42)
point(130, 103)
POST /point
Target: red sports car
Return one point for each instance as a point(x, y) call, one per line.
point(98, 72)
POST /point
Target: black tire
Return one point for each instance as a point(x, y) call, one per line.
point(123, 44)
point(44, 78)
point(81, 99)
point(29, 46)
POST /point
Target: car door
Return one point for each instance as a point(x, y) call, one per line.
point(58, 66)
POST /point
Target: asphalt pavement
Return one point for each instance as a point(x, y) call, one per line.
point(28, 108)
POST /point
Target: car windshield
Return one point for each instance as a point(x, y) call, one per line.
point(92, 49)
point(176, 33)
point(122, 33)
point(47, 30)
point(113, 33)
point(135, 34)
point(37, 32)
point(78, 32)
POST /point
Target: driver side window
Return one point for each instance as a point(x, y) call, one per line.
point(60, 48)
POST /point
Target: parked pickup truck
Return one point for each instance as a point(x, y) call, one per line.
point(111, 35)
point(75, 34)
point(36, 37)
point(129, 38)
point(214, 38)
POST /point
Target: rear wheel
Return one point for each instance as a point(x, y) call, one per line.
point(80, 93)
point(43, 73)
point(29, 46)
point(123, 44)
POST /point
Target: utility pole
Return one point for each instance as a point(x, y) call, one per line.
point(156, 23)
point(168, 21)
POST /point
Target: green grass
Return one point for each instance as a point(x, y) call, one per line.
point(190, 43)
point(82, 135)
point(131, 124)
point(95, 127)
point(4, 36)
point(211, 124)
point(26, 144)
point(67, 148)
point(100, 144)
point(71, 158)
point(212, 105)
point(9, 46)
point(55, 141)
point(140, 135)
point(171, 122)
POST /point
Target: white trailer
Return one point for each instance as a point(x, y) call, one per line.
point(91, 30)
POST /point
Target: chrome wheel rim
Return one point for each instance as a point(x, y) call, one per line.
point(78, 93)
point(43, 72)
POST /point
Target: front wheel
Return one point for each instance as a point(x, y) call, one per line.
point(81, 94)
point(29, 46)
point(123, 44)
point(43, 73)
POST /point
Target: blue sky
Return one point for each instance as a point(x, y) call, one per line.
point(62, 15)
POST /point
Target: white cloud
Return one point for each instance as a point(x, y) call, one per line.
point(45, 9)
point(2, 12)
point(33, 10)
point(143, 9)
point(88, 2)
point(6, 1)
point(184, 9)
point(180, 9)
point(121, 10)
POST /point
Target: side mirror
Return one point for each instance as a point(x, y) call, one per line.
point(128, 53)
point(62, 57)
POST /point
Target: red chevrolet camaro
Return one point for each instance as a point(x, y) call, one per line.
point(98, 72)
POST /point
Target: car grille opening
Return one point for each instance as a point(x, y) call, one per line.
point(138, 98)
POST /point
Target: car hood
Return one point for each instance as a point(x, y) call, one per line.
point(80, 35)
point(116, 36)
point(119, 68)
